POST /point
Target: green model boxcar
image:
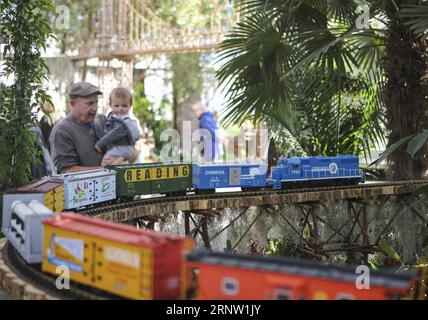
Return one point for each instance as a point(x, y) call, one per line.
point(152, 178)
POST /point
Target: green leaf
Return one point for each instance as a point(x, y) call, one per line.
point(416, 143)
point(389, 250)
point(393, 148)
point(306, 231)
point(416, 17)
point(373, 265)
point(27, 33)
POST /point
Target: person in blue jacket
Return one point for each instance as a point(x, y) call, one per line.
point(207, 121)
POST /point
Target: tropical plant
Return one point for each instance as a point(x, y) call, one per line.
point(25, 31)
point(417, 16)
point(414, 144)
point(341, 66)
point(406, 67)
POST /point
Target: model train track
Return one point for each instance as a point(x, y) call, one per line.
point(42, 281)
point(134, 204)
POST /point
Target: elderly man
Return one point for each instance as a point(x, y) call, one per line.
point(73, 139)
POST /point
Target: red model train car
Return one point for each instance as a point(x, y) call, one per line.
point(119, 259)
point(233, 276)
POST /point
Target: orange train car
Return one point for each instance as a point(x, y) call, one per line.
point(232, 276)
point(120, 259)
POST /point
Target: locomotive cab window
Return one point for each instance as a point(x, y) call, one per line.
point(230, 286)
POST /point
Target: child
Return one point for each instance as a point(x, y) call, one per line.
point(121, 131)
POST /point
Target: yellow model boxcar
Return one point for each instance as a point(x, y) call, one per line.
point(131, 263)
point(49, 191)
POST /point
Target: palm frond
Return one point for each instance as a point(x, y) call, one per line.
point(417, 17)
point(343, 11)
point(306, 66)
point(255, 55)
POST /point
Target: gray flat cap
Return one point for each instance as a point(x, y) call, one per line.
point(83, 89)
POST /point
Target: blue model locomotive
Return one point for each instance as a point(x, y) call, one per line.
point(320, 170)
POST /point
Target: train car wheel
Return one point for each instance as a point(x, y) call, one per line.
point(204, 191)
point(249, 189)
point(125, 199)
point(176, 194)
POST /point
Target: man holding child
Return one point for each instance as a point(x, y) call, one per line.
point(73, 140)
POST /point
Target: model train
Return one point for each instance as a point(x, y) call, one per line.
point(77, 190)
point(142, 264)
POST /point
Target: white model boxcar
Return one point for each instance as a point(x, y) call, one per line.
point(88, 187)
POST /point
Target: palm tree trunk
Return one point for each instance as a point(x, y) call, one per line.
point(405, 93)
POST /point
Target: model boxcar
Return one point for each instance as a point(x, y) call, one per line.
point(234, 276)
point(152, 178)
point(48, 191)
point(208, 176)
point(307, 171)
point(88, 187)
point(119, 259)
